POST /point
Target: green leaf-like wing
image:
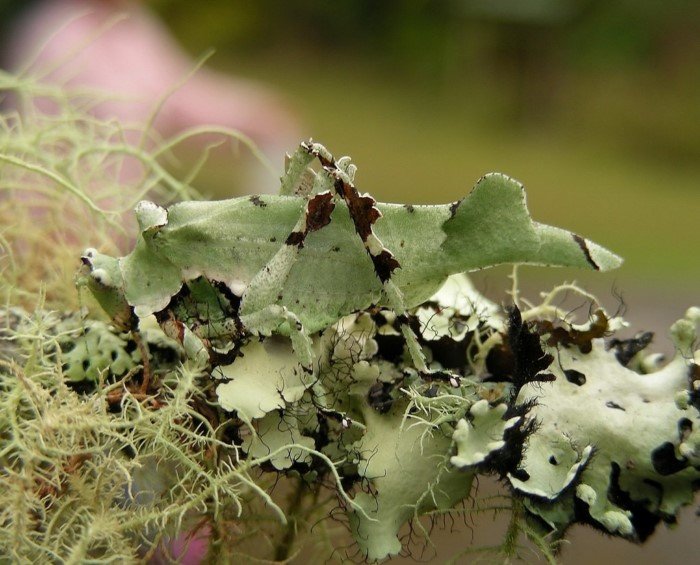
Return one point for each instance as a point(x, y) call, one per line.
point(493, 226)
point(231, 241)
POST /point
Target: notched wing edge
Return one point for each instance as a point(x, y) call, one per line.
point(149, 215)
point(495, 214)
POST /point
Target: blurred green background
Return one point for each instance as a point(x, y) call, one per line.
point(594, 105)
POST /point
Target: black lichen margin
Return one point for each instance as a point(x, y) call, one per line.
point(643, 521)
point(694, 385)
point(575, 377)
point(379, 396)
point(664, 460)
point(317, 215)
point(507, 459)
point(520, 359)
point(626, 349)
point(452, 354)
point(390, 345)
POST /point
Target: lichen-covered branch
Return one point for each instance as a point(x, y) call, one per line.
point(268, 362)
point(583, 427)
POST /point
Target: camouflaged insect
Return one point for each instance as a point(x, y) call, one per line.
point(217, 273)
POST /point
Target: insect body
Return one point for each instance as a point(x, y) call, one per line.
point(296, 262)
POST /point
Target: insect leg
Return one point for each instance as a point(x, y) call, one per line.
point(301, 180)
point(297, 178)
point(364, 213)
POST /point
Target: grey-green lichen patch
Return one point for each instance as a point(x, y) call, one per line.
point(621, 440)
point(411, 443)
point(268, 376)
point(482, 434)
point(278, 435)
point(407, 444)
point(93, 351)
point(548, 477)
point(89, 350)
point(398, 426)
point(462, 309)
point(406, 466)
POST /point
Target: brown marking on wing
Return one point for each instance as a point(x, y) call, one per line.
point(363, 211)
point(296, 238)
point(318, 211)
point(584, 247)
point(318, 214)
point(384, 264)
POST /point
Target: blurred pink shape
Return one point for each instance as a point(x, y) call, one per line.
point(119, 48)
point(187, 549)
